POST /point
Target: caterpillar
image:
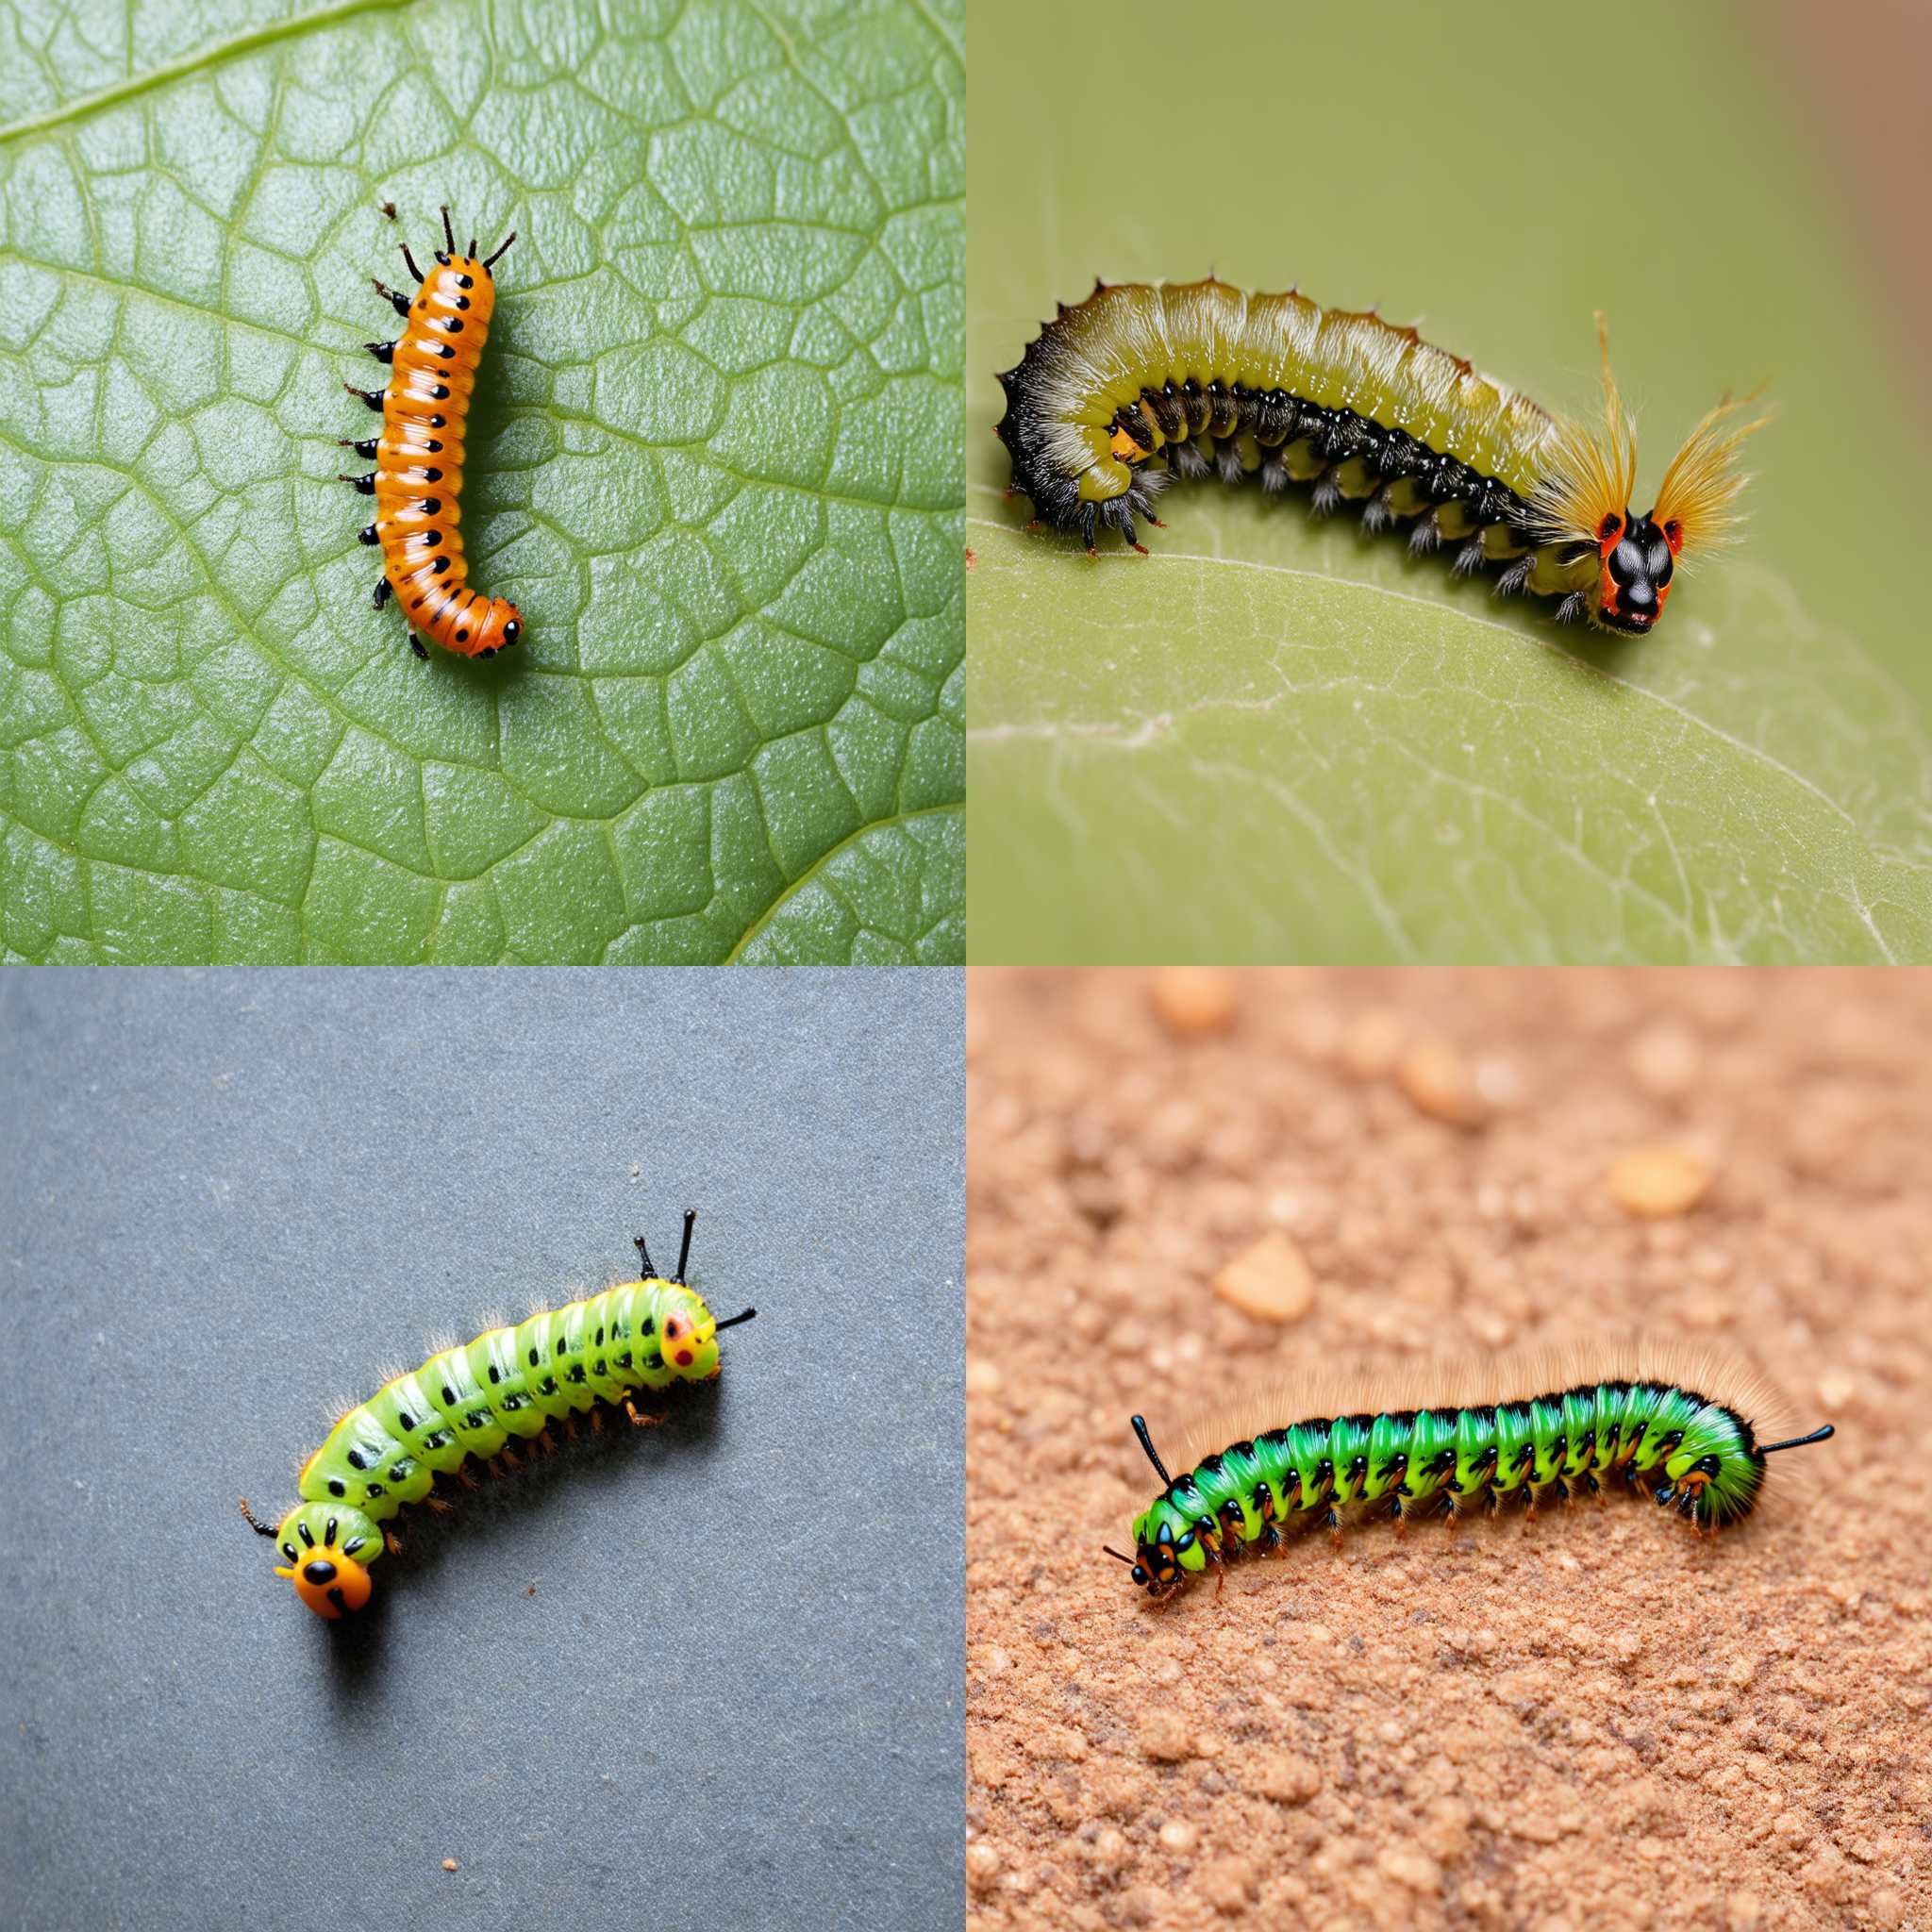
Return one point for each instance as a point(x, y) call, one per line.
point(1438, 1439)
point(1201, 374)
point(473, 1399)
point(418, 479)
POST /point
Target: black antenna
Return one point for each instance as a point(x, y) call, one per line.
point(447, 235)
point(1797, 1441)
point(691, 1214)
point(472, 248)
point(411, 259)
point(637, 1240)
point(1117, 1557)
point(503, 249)
point(1146, 1443)
point(259, 1527)
point(737, 1318)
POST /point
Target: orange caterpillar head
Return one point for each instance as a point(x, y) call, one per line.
point(501, 627)
point(1583, 503)
point(328, 1547)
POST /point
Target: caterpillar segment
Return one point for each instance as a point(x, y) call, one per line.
point(477, 1400)
point(1697, 1456)
point(1144, 383)
point(418, 479)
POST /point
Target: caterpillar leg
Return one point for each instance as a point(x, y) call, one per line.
point(511, 1457)
point(596, 1421)
point(440, 1504)
point(393, 1543)
point(542, 1440)
point(466, 1477)
point(416, 645)
point(255, 1523)
point(372, 397)
point(381, 593)
point(399, 303)
point(638, 1421)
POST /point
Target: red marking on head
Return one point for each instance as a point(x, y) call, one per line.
point(1609, 534)
point(1673, 536)
point(685, 1357)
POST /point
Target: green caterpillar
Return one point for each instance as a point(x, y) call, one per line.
point(1448, 1438)
point(470, 1401)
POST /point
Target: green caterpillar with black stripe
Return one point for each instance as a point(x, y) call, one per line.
point(474, 1400)
point(1634, 1413)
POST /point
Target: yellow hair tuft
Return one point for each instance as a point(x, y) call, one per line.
point(1702, 484)
point(1587, 476)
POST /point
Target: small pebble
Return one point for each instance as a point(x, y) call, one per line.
point(982, 1862)
point(1179, 1837)
point(982, 1377)
point(1225, 1885)
point(1167, 1738)
point(1283, 1776)
point(451, 1865)
point(1272, 1281)
point(1836, 1391)
point(1193, 1000)
point(1439, 1081)
point(1665, 1059)
point(1416, 1869)
point(1370, 1044)
point(1660, 1180)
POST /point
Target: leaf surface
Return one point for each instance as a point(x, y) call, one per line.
point(1280, 739)
point(715, 458)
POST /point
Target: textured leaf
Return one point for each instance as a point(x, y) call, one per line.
point(1279, 739)
point(715, 460)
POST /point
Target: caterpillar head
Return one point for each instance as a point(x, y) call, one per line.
point(328, 1547)
point(689, 1336)
point(1156, 1559)
point(1625, 563)
point(687, 1331)
point(502, 625)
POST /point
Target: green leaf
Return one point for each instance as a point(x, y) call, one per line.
point(715, 458)
point(1276, 739)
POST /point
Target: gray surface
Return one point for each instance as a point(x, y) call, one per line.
point(229, 1199)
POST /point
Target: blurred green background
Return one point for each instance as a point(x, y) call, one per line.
point(1280, 739)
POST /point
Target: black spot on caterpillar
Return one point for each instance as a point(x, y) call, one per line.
point(1143, 383)
point(370, 1435)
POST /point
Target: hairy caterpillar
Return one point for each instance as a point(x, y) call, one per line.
point(418, 479)
point(470, 1401)
point(1435, 1439)
point(1200, 373)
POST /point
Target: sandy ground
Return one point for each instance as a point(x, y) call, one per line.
point(1594, 1720)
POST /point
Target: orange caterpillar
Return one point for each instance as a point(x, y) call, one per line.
point(418, 479)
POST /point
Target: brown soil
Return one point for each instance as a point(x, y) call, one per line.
point(1595, 1719)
